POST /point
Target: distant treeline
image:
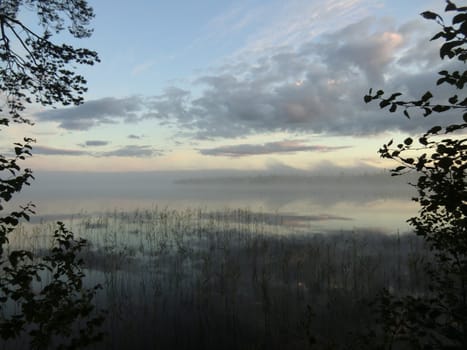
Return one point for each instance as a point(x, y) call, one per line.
point(382, 178)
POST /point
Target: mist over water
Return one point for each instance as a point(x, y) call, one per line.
point(315, 203)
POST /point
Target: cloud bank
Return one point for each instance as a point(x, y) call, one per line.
point(314, 87)
point(286, 146)
point(132, 151)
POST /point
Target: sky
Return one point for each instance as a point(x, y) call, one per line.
point(247, 84)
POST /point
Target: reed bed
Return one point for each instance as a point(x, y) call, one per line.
point(233, 279)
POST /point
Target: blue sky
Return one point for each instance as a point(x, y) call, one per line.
point(241, 85)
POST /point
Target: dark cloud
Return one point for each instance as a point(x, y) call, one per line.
point(96, 143)
point(107, 110)
point(49, 151)
point(286, 146)
point(133, 151)
point(134, 137)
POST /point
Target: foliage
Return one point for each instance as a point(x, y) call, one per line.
point(35, 69)
point(50, 312)
point(439, 318)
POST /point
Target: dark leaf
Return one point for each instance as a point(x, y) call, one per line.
point(437, 36)
point(461, 17)
point(429, 15)
point(453, 100)
point(440, 108)
point(450, 6)
point(384, 103)
point(427, 96)
point(434, 130)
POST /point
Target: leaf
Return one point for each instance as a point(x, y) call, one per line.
point(434, 130)
point(450, 6)
point(427, 96)
point(429, 15)
point(394, 96)
point(384, 103)
point(437, 36)
point(408, 141)
point(399, 168)
point(461, 17)
point(446, 48)
point(453, 100)
point(440, 108)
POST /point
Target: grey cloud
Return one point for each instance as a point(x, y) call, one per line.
point(107, 110)
point(286, 146)
point(133, 151)
point(134, 137)
point(172, 104)
point(317, 87)
point(96, 143)
point(49, 151)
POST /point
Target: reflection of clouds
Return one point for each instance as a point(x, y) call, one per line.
point(321, 203)
point(274, 219)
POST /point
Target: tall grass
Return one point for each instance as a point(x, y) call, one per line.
point(233, 279)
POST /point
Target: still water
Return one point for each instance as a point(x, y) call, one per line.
point(313, 203)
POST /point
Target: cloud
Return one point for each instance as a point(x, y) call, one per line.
point(134, 137)
point(96, 143)
point(133, 151)
point(286, 146)
point(49, 151)
point(108, 110)
point(142, 68)
point(315, 85)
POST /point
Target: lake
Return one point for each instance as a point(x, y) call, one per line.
point(314, 203)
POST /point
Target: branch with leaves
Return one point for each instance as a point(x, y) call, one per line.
point(440, 160)
point(35, 69)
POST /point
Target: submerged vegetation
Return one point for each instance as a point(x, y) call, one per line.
point(233, 279)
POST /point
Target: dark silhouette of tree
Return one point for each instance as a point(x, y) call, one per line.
point(35, 69)
point(438, 319)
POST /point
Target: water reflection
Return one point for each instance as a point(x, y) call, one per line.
point(313, 203)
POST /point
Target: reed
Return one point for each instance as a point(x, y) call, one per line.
point(233, 279)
